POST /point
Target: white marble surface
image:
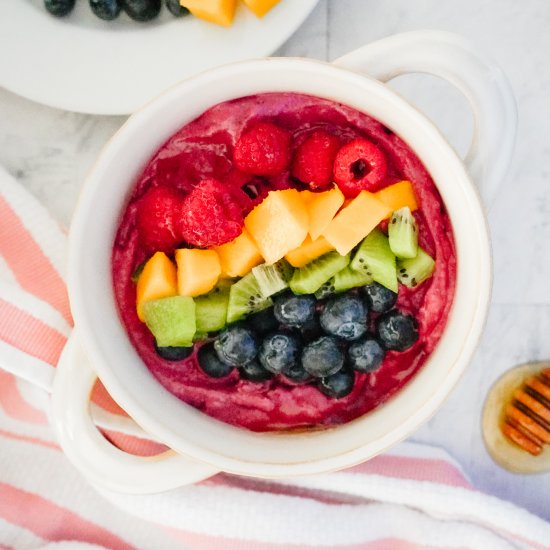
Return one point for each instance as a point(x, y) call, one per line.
point(49, 151)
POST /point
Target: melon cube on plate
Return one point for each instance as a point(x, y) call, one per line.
point(220, 12)
point(309, 250)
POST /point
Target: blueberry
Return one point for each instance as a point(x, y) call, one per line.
point(236, 346)
point(210, 363)
point(322, 357)
point(105, 9)
point(397, 331)
point(263, 321)
point(311, 330)
point(141, 10)
point(337, 385)
point(345, 316)
point(365, 355)
point(279, 351)
point(294, 311)
point(59, 8)
point(254, 372)
point(173, 353)
point(175, 8)
point(296, 373)
point(379, 298)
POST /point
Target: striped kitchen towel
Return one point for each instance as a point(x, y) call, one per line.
point(412, 497)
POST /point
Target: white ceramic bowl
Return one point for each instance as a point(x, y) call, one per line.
point(202, 444)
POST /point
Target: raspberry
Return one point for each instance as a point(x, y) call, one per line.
point(263, 150)
point(211, 214)
point(314, 159)
point(157, 213)
point(359, 165)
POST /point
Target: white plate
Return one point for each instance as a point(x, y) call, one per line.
point(81, 63)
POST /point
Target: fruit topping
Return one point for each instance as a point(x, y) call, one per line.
point(158, 279)
point(314, 159)
point(365, 355)
point(263, 321)
point(280, 352)
point(272, 278)
point(345, 316)
point(211, 309)
point(294, 311)
point(279, 224)
point(308, 251)
point(308, 279)
point(403, 233)
point(220, 12)
point(211, 364)
point(176, 9)
point(245, 298)
point(375, 258)
point(360, 165)
point(174, 353)
point(397, 331)
point(356, 220)
point(239, 256)
point(198, 271)
point(59, 8)
point(210, 215)
point(398, 195)
point(157, 215)
point(322, 207)
point(171, 320)
point(105, 9)
point(263, 150)
point(236, 346)
point(141, 10)
point(260, 7)
point(254, 372)
point(322, 357)
point(379, 298)
point(337, 385)
point(412, 272)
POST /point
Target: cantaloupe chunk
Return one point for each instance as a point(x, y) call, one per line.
point(398, 195)
point(157, 280)
point(322, 207)
point(198, 271)
point(355, 221)
point(220, 12)
point(278, 224)
point(307, 195)
point(239, 256)
point(260, 7)
point(308, 251)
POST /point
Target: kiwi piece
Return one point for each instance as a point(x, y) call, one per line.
point(245, 297)
point(403, 233)
point(310, 278)
point(171, 320)
point(413, 271)
point(138, 271)
point(325, 290)
point(375, 258)
point(273, 278)
point(211, 309)
point(348, 278)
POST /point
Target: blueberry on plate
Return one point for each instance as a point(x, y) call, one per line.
point(59, 8)
point(365, 355)
point(210, 363)
point(105, 9)
point(173, 353)
point(379, 298)
point(322, 357)
point(263, 321)
point(254, 372)
point(397, 331)
point(345, 316)
point(176, 9)
point(337, 385)
point(279, 351)
point(141, 10)
point(293, 310)
point(236, 346)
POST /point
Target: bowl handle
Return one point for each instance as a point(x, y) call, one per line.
point(454, 59)
point(103, 464)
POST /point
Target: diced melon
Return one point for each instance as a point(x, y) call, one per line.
point(398, 195)
point(278, 224)
point(322, 207)
point(220, 12)
point(307, 195)
point(198, 271)
point(157, 280)
point(260, 7)
point(355, 221)
point(239, 256)
point(308, 251)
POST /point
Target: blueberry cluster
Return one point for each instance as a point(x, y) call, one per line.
point(305, 340)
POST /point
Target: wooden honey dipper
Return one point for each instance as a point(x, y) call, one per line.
point(516, 419)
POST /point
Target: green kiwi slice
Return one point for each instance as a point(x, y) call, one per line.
point(375, 258)
point(308, 279)
point(211, 308)
point(245, 297)
point(413, 271)
point(171, 320)
point(403, 233)
point(273, 278)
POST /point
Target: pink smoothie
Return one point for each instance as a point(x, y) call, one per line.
point(203, 148)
